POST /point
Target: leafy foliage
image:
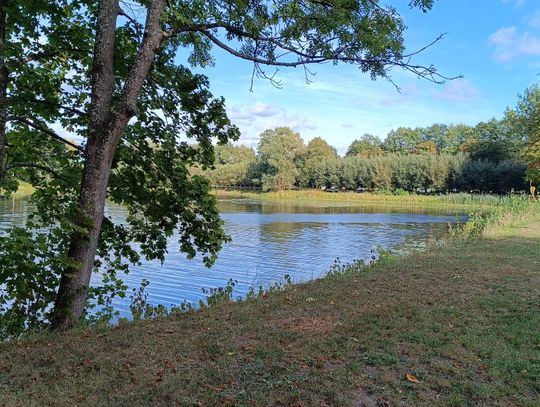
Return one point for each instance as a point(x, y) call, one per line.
point(490, 166)
point(149, 177)
point(528, 116)
point(281, 151)
point(367, 146)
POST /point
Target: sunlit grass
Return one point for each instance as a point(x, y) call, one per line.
point(313, 195)
point(25, 190)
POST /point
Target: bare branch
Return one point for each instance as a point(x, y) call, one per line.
point(258, 60)
point(132, 20)
point(440, 37)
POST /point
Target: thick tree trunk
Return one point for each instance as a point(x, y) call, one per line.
point(4, 77)
point(106, 128)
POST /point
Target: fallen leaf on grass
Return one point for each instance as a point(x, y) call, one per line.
point(219, 388)
point(411, 378)
point(226, 400)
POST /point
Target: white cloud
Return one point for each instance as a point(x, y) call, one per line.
point(517, 3)
point(250, 113)
point(261, 116)
point(510, 44)
point(458, 90)
point(264, 110)
point(534, 20)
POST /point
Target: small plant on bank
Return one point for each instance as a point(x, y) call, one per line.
point(219, 295)
point(140, 308)
point(378, 255)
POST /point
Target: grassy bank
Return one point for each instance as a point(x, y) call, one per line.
point(468, 201)
point(24, 191)
point(453, 326)
point(459, 201)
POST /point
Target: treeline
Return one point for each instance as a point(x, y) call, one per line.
point(484, 158)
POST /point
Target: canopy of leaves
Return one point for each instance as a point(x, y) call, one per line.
point(528, 116)
point(367, 146)
point(281, 152)
point(48, 60)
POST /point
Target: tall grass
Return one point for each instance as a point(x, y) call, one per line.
point(24, 191)
point(509, 211)
point(459, 199)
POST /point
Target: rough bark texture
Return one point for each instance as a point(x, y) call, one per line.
point(106, 128)
point(3, 89)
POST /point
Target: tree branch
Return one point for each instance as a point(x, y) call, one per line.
point(152, 39)
point(45, 130)
point(232, 51)
point(48, 103)
point(33, 165)
point(47, 54)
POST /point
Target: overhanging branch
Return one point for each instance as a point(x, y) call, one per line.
point(45, 130)
point(32, 165)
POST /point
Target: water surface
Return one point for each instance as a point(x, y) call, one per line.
point(269, 241)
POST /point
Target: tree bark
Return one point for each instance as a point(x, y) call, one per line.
point(4, 77)
point(106, 128)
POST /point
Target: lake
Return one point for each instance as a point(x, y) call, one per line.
point(271, 240)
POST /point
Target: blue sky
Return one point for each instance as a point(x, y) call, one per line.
point(494, 44)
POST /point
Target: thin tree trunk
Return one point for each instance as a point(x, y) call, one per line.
point(106, 128)
point(3, 88)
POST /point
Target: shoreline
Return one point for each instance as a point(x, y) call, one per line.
point(448, 326)
point(459, 200)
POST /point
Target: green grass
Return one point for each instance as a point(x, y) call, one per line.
point(462, 318)
point(468, 201)
point(24, 190)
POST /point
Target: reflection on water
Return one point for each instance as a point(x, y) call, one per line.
point(13, 212)
point(269, 241)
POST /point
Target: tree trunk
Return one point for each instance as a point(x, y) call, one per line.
point(106, 128)
point(3, 89)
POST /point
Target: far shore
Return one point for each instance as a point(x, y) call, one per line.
point(461, 201)
point(406, 201)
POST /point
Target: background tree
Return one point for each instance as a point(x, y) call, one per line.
point(426, 147)
point(367, 146)
point(528, 117)
point(402, 140)
point(234, 165)
point(281, 155)
point(317, 153)
point(490, 150)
